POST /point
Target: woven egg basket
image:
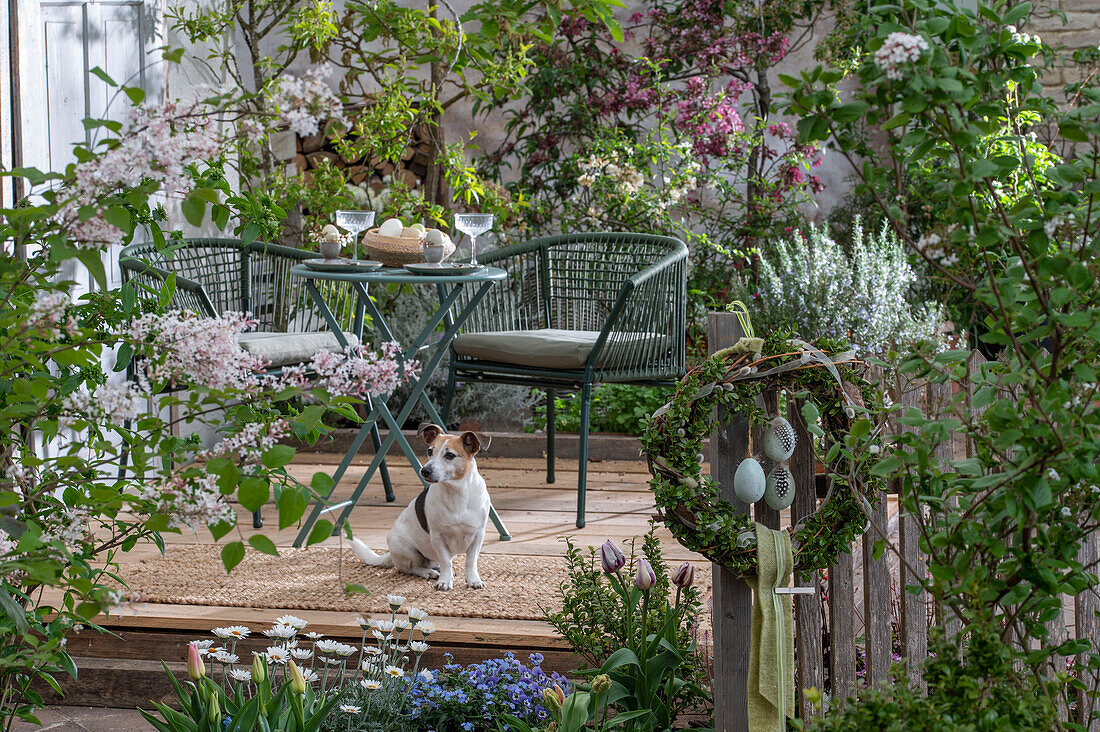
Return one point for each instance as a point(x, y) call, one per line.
point(396, 251)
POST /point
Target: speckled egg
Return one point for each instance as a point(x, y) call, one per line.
point(779, 489)
point(778, 440)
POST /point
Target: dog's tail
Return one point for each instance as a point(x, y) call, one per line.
point(375, 560)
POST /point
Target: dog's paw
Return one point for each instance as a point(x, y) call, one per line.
point(433, 574)
point(475, 584)
point(443, 585)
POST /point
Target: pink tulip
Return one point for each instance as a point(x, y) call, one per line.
point(196, 669)
point(646, 576)
point(611, 557)
point(684, 576)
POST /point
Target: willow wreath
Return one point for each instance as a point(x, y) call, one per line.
point(834, 397)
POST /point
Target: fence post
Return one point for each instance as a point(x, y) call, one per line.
point(1087, 605)
point(732, 598)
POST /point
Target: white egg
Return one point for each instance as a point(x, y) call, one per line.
point(419, 227)
point(435, 237)
point(778, 440)
point(779, 491)
point(410, 232)
point(330, 233)
point(391, 227)
point(748, 481)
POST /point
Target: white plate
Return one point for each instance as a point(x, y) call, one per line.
point(444, 268)
point(321, 264)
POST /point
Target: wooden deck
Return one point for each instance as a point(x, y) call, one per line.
point(124, 670)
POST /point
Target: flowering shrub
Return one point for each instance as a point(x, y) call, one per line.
point(89, 463)
point(861, 293)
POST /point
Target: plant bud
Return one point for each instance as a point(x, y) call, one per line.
point(196, 669)
point(297, 681)
point(553, 697)
point(601, 683)
point(611, 557)
point(646, 576)
point(684, 576)
point(259, 669)
point(215, 712)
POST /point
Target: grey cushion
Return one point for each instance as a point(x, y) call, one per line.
point(551, 348)
point(284, 349)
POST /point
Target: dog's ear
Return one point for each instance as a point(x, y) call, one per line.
point(429, 431)
point(475, 443)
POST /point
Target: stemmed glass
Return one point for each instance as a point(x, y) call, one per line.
point(472, 224)
point(355, 222)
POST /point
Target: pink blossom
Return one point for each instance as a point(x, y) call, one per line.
point(359, 372)
point(898, 49)
point(304, 102)
point(47, 312)
point(191, 502)
point(115, 403)
point(250, 443)
point(185, 348)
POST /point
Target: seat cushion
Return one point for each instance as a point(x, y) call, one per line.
point(550, 348)
point(285, 349)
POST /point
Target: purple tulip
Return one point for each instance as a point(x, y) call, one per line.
point(684, 576)
point(611, 557)
point(646, 576)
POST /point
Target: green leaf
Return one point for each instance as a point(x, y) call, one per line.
point(321, 531)
point(253, 493)
point(879, 548)
point(292, 504)
point(887, 466)
point(232, 554)
point(136, 94)
point(194, 210)
point(322, 483)
point(850, 112)
point(263, 544)
point(1016, 14)
point(350, 588)
point(278, 455)
point(100, 73)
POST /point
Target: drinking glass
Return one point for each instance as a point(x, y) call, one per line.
point(355, 222)
point(473, 224)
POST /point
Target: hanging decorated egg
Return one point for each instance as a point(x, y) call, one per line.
point(748, 481)
point(779, 490)
point(778, 440)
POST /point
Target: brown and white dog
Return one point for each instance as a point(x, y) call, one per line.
point(445, 520)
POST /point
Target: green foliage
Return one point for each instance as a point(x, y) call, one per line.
point(616, 408)
point(1003, 527)
point(603, 623)
point(861, 290)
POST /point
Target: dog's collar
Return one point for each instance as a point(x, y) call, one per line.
point(418, 507)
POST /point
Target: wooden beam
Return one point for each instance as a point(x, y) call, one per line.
point(732, 601)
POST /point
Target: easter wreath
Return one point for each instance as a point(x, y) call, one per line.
point(834, 395)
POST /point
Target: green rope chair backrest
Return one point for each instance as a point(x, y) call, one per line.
point(579, 281)
point(251, 277)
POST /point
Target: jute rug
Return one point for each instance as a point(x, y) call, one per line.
point(516, 588)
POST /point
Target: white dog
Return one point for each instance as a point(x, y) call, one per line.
point(445, 520)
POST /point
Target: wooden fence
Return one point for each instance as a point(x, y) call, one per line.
point(866, 598)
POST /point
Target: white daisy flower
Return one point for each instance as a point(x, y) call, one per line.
point(394, 671)
point(210, 651)
point(240, 632)
point(372, 650)
point(327, 646)
point(416, 615)
point(240, 674)
point(345, 650)
point(370, 684)
point(221, 632)
point(401, 623)
point(292, 621)
point(350, 709)
point(301, 654)
point(395, 601)
point(202, 645)
point(418, 646)
point(378, 634)
point(278, 655)
point(309, 675)
point(385, 626)
point(368, 664)
point(314, 636)
point(427, 627)
point(331, 660)
point(363, 622)
point(285, 632)
point(224, 657)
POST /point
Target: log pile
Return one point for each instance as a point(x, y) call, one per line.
point(412, 168)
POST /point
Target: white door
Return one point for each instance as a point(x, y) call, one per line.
point(61, 42)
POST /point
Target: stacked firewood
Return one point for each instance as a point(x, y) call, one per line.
point(412, 168)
